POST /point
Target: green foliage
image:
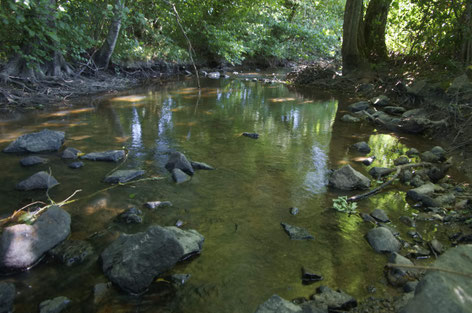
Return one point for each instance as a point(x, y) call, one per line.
point(341, 204)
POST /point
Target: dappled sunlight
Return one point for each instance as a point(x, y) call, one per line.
point(386, 148)
point(78, 138)
point(67, 112)
point(131, 105)
point(186, 124)
point(462, 295)
point(278, 100)
point(122, 139)
point(131, 98)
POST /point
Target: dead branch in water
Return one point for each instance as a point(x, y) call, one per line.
point(427, 268)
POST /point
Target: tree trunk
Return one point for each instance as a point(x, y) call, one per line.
point(103, 56)
point(466, 49)
point(374, 28)
point(352, 54)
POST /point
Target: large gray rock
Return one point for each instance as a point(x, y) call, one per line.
point(180, 161)
point(43, 141)
point(55, 305)
point(40, 180)
point(444, 292)
point(123, 176)
point(347, 178)
point(382, 240)
point(334, 300)
point(297, 233)
point(133, 261)
point(22, 245)
point(110, 156)
point(276, 304)
point(362, 147)
point(33, 160)
point(7, 296)
point(424, 194)
point(358, 106)
point(380, 215)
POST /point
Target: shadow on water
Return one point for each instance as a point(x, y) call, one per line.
point(247, 257)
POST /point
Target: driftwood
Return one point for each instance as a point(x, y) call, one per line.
point(399, 169)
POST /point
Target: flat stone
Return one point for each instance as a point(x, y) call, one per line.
point(362, 147)
point(72, 252)
point(123, 176)
point(179, 176)
point(76, 165)
point(424, 193)
point(55, 305)
point(380, 215)
point(367, 218)
point(7, 296)
point(358, 106)
point(157, 204)
point(155, 251)
point(309, 277)
point(439, 291)
point(347, 178)
point(378, 172)
point(382, 240)
point(297, 233)
point(394, 110)
point(40, 180)
point(43, 141)
point(109, 156)
point(350, 119)
point(276, 304)
point(201, 166)
point(398, 276)
point(71, 153)
point(22, 245)
point(178, 160)
point(33, 160)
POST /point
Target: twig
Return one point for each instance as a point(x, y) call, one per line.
point(427, 268)
point(397, 173)
point(11, 217)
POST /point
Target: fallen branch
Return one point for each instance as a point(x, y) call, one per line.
point(427, 268)
point(17, 212)
point(399, 169)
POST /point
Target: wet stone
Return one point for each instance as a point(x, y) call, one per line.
point(410, 286)
point(179, 223)
point(100, 291)
point(401, 161)
point(55, 305)
point(201, 166)
point(7, 296)
point(361, 147)
point(436, 246)
point(43, 141)
point(334, 300)
point(71, 153)
point(179, 279)
point(33, 160)
point(408, 221)
point(367, 218)
point(380, 101)
point(398, 276)
point(439, 152)
point(378, 172)
point(40, 180)
point(108, 156)
point(350, 119)
point(131, 216)
point(394, 110)
point(297, 233)
point(428, 156)
point(179, 176)
point(347, 178)
point(358, 106)
point(412, 152)
point(251, 135)
point(309, 277)
point(72, 252)
point(178, 160)
point(368, 161)
point(153, 205)
point(382, 240)
point(380, 215)
point(294, 211)
point(76, 165)
point(123, 176)
point(276, 304)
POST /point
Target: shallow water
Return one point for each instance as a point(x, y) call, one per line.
point(247, 256)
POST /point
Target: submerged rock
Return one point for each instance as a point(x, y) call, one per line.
point(380, 215)
point(308, 277)
point(296, 233)
point(358, 106)
point(276, 304)
point(294, 211)
point(347, 178)
point(157, 204)
point(334, 300)
point(180, 279)
point(424, 193)
point(40, 180)
point(179, 176)
point(439, 291)
point(33, 160)
point(251, 135)
point(109, 156)
point(201, 166)
point(55, 305)
point(76, 165)
point(71, 153)
point(72, 252)
point(22, 245)
point(7, 296)
point(398, 276)
point(178, 160)
point(362, 147)
point(350, 119)
point(381, 240)
point(154, 252)
point(43, 141)
point(123, 176)
point(131, 216)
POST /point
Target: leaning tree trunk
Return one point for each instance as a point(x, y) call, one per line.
point(352, 54)
point(466, 49)
point(103, 56)
point(374, 28)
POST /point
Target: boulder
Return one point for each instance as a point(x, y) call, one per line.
point(43, 141)
point(179, 176)
point(7, 296)
point(347, 178)
point(154, 251)
point(276, 304)
point(296, 233)
point(178, 160)
point(71, 153)
point(201, 166)
point(358, 106)
point(362, 147)
point(123, 176)
point(439, 291)
point(380, 215)
point(380, 101)
point(40, 180)
point(72, 252)
point(334, 300)
point(109, 156)
point(382, 240)
point(33, 160)
point(22, 245)
point(55, 305)
point(378, 172)
point(424, 193)
point(350, 119)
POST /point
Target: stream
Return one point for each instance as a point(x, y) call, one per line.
point(238, 208)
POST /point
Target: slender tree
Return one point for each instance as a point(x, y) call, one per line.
point(352, 48)
point(375, 23)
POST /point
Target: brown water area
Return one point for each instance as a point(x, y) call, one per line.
point(246, 256)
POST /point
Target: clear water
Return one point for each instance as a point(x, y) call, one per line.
point(247, 256)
